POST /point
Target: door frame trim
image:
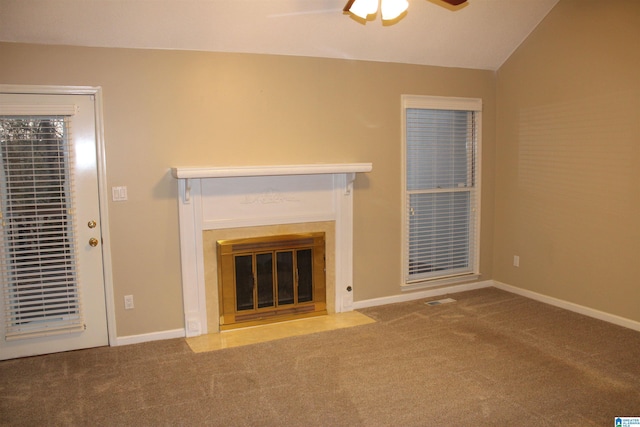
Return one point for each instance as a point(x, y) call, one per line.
point(101, 163)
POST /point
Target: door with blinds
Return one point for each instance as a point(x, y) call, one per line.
point(52, 295)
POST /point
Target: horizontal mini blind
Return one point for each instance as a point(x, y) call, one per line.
point(441, 193)
point(38, 264)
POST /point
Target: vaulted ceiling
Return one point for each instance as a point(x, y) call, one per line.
point(479, 34)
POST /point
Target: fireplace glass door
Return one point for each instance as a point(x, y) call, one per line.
point(291, 283)
point(271, 278)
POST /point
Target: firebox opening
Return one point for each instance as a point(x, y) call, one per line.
point(270, 279)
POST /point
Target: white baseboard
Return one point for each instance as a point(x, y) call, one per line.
point(154, 336)
point(601, 315)
point(422, 294)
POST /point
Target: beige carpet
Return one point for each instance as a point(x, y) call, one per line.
point(490, 358)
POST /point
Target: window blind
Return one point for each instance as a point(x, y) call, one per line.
point(38, 262)
point(441, 193)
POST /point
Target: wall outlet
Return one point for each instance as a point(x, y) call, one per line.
point(516, 261)
point(128, 302)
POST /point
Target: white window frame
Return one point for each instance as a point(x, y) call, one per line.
point(441, 103)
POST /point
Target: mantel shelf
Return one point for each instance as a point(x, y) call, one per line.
point(241, 171)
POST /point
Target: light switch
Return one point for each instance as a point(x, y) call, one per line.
point(119, 193)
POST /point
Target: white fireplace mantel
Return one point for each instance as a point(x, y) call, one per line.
point(237, 171)
point(231, 197)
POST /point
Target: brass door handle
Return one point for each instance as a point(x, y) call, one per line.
point(93, 242)
point(91, 224)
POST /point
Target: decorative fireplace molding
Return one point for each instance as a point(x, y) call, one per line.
point(213, 198)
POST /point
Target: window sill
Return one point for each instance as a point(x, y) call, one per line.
point(431, 283)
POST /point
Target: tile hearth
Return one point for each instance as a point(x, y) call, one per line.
point(274, 331)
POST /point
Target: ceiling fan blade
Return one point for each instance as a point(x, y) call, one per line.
point(348, 6)
point(451, 2)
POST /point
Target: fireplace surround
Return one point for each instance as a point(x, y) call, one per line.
point(240, 201)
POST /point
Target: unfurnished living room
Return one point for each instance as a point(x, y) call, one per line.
point(319, 212)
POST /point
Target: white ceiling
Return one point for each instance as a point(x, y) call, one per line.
point(481, 34)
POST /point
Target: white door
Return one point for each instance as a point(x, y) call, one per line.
point(52, 295)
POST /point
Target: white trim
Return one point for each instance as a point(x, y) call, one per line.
point(610, 318)
point(96, 91)
point(444, 281)
point(478, 178)
point(343, 201)
point(576, 308)
point(420, 295)
point(103, 195)
point(441, 102)
point(49, 90)
point(154, 336)
point(239, 171)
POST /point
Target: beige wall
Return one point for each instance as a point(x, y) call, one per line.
point(568, 158)
point(167, 108)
